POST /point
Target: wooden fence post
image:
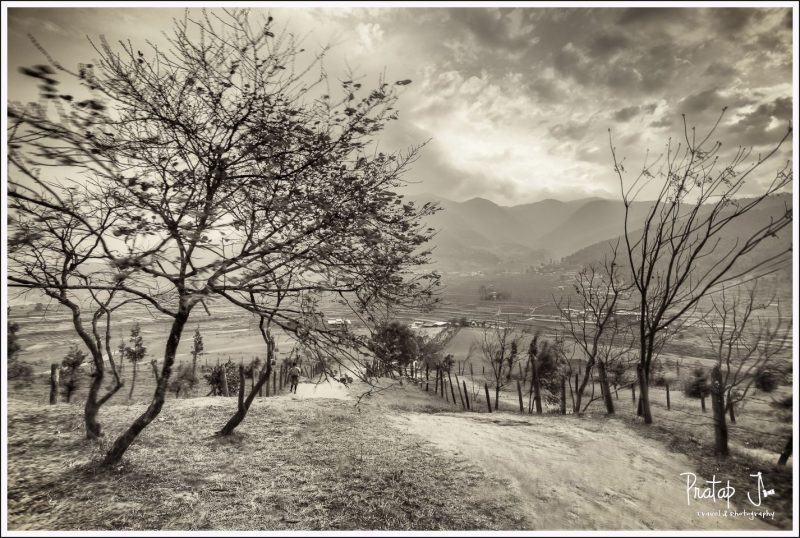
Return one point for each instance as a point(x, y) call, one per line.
point(427, 377)
point(224, 380)
point(460, 395)
point(488, 400)
point(54, 384)
point(720, 427)
point(703, 403)
point(274, 383)
point(241, 386)
point(466, 395)
point(536, 384)
point(519, 393)
point(666, 385)
point(563, 396)
point(787, 451)
point(452, 392)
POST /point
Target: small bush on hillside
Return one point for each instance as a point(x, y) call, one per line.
point(17, 370)
point(657, 373)
point(767, 379)
point(213, 376)
point(70, 371)
point(183, 381)
point(697, 386)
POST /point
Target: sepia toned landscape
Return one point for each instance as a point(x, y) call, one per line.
point(389, 269)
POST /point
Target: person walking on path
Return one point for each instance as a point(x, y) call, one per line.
point(294, 377)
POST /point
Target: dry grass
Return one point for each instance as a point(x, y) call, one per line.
point(292, 465)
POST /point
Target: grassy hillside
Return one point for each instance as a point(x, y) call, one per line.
point(292, 465)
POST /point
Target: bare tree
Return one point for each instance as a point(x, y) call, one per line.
point(239, 173)
point(680, 253)
point(53, 253)
point(745, 342)
point(597, 328)
point(498, 347)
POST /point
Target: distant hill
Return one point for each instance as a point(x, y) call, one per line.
point(741, 227)
point(478, 234)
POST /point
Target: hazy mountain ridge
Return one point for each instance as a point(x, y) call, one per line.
point(478, 234)
point(740, 227)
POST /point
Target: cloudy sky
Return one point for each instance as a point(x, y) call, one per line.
point(516, 102)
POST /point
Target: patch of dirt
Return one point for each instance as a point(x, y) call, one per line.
point(577, 474)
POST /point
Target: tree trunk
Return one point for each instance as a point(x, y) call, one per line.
point(91, 408)
point(124, 441)
point(488, 398)
point(730, 411)
point(579, 389)
point(537, 388)
point(244, 403)
point(644, 395)
point(563, 396)
point(787, 452)
point(224, 380)
point(718, 405)
point(133, 379)
point(496, 396)
point(601, 371)
point(466, 395)
point(53, 384)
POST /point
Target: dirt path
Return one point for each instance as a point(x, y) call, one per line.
point(324, 389)
point(577, 474)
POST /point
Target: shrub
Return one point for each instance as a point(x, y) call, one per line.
point(17, 370)
point(70, 371)
point(183, 381)
point(213, 376)
point(657, 374)
point(767, 379)
point(697, 386)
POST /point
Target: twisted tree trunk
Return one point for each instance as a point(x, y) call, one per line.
point(124, 441)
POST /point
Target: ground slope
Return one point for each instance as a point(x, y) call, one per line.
point(576, 474)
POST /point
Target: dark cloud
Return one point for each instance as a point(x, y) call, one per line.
point(627, 113)
point(544, 89)
point(607, 44)
point(712, 100)
point(732, 21)
point(569, 61)
point(648, 16)
point(666, 121)
point(765, 125)
point(720, 70)
point(570, 130)
point(495, 27)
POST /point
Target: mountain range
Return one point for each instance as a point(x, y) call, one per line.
point(479, 234)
